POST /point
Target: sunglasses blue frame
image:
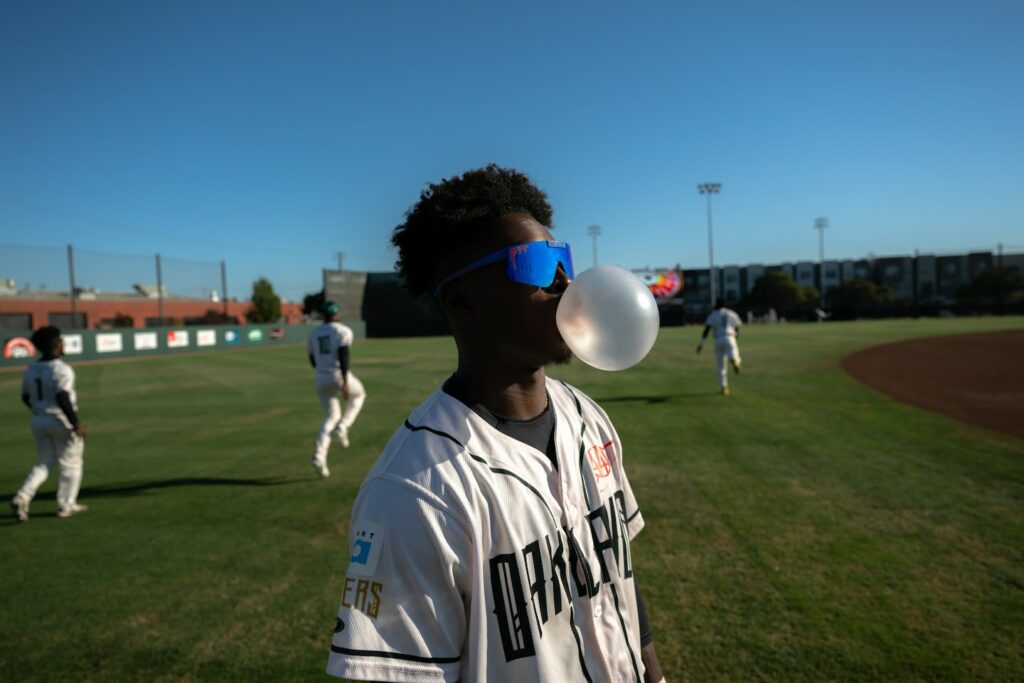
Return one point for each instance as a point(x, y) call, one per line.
point(529, 263)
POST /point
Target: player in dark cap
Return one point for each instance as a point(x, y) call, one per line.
point(328, 348)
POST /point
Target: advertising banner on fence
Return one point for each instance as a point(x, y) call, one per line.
point(18, 347)
point(72, 344)
point(177, 339)
point(145, 341)
point(664, 284)
point(109, 342)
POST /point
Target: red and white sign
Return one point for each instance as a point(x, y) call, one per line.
point(19, 347)
point(72, 344)
point(109, 342)
point(206, 338)
point(599, 461)
point(145, 341)
point(177, 339)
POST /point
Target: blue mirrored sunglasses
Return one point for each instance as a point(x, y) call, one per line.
point(530, 263)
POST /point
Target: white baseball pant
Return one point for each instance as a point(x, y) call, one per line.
point(328, 388)
point(726, 349)
point(56, 445)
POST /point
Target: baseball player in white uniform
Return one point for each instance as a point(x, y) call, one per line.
point(48, 389)
point(726, 327)
point(491, 539)
point(328, 348)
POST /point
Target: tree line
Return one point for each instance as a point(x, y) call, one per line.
point(778, 290)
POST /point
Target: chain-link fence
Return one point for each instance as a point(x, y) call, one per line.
point(79, 288)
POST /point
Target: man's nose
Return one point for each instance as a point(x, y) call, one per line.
point(561, 281)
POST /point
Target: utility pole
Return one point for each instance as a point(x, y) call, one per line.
point(710, 189)
point(341, 258)
point(594, 231)
point(820, 224)
point(71, 280)
point(224, 287)
point(160, 292)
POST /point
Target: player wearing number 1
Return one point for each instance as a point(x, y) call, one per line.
point(48, 389)
point(328, 354)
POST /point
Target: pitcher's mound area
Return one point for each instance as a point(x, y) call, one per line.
point(977, 378)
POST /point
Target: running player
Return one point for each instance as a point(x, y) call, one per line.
point(726, 326)
point(48, 389)
point(328, 354)
point(491, 539)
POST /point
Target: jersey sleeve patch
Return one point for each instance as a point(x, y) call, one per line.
point(367, 541)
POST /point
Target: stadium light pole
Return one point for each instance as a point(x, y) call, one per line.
point(594, 231)
point(820, 224)
point(710, 189)
point(71, 282)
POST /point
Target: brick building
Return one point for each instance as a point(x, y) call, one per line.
point(30, 310)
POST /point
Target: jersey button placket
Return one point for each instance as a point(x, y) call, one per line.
point(568, 508)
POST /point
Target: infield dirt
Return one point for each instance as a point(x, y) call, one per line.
point(976, 378)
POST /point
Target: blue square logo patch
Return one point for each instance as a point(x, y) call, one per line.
point(365, 545)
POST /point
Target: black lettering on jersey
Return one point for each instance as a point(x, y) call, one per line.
point(524, 577)
point(510, 607)
point(580, 567)
point(626, 567)
point(559, 581)
point(537, 584)
point(610, 540)
point(324, 344)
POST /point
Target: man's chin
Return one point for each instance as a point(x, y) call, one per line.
point(563, 357)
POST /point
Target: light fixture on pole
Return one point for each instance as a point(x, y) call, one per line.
point(594, 231)
point(710, 189)
point(820, 224)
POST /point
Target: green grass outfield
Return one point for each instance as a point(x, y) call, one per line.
point(805, 528)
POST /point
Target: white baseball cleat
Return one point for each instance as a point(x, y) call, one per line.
point(19, 507)
point(343, 436)
point(320, 469)
point(72, 509)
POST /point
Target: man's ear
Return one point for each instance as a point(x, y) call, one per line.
point(454, 303)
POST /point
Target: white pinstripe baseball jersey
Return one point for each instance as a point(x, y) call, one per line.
point(723, 322)
point(473, 558)
point(43, 380)
point(324, 342)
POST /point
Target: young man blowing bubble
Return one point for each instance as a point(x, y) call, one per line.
point(491, 539)
point(48, 389)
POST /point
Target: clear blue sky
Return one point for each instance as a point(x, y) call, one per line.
point(273, 135)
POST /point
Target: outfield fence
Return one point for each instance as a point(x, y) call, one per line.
point(156, 341)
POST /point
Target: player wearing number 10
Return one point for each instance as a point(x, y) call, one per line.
point(48, 389)
point(328, 354)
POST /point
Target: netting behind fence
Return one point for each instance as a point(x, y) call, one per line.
point(41, 271)
point(111, 274)
point(192, 279)
point(33, 268)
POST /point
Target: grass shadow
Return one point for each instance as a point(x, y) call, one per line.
point(136, 488)
point(661, 398)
